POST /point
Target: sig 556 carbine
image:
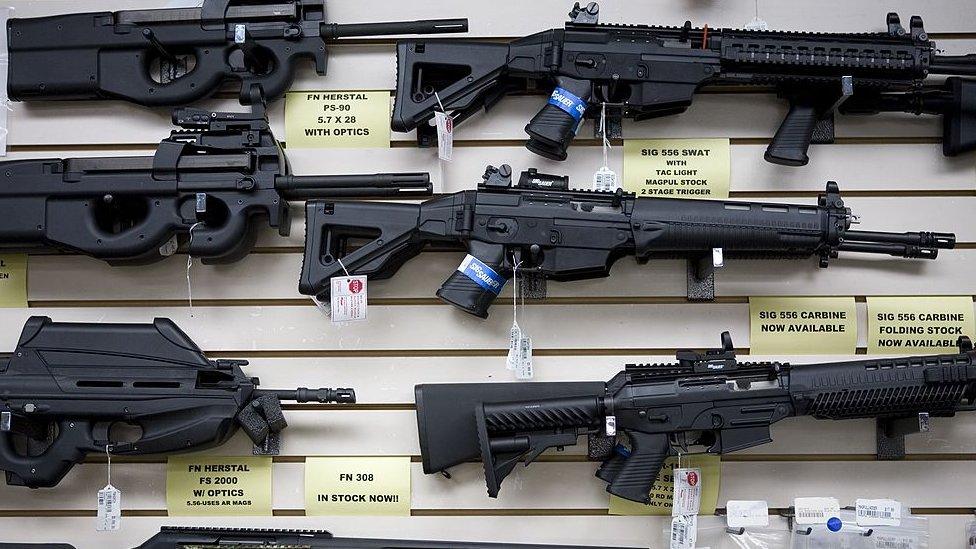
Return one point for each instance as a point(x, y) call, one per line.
point(208, 186)
point(237, 538)
point(73, 389)
point(705, 399)
point(641, 72)
point(551, 232)
point(171, 57)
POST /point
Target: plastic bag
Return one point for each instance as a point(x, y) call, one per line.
point(844, 533)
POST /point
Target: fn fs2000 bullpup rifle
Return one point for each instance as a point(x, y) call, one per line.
point(172, 57)
point(208, 188)
point(73, 389)
point(551, 232)
point(641, 72)
point(706, 400)
point(238, 538)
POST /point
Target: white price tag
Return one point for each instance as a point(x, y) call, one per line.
point(815, 510)
point(742, 513)
point(684, 531)
point(687, 491)
point(877, 512)
point(523, 369)
point(445, 135)
point(348, 298)
point(605, 180)
point(514, 356)
point(109, 515)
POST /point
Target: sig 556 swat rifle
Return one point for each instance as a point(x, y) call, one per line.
point(237, 538)
point(551, 232)
point(208, 186)
point(170, 57)
point(705, 400)
point(641, 72)
point(72, 389)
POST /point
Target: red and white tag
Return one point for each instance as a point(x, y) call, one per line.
point(687, 491)
point(348, 298)
point(445, 135)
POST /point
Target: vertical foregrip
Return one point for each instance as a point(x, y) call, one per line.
point(792, 139)
point(635, 478)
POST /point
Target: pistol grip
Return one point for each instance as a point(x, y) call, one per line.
point(74, 441)
point(634, 479)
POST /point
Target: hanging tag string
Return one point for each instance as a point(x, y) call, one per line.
point(343, 267)
point(108, 455)
point(189, 263)
point(516, 291)
point(603, 132)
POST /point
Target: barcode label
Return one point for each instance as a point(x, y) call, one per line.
point(684, 531)
point(888, 541)
point(878, 512)
point(815, 510)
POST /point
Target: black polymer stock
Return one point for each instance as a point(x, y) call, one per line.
point(560, 234)
point(208, 189)
point(172, 57)
point(705, 401)
point(242, 538)
point(73, 389)
point(642, 72)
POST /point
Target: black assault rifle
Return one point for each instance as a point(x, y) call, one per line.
point(555, 233)
point(707, 400)
point(73, 389)
point(208, 188)
point(641, 72)
point(171, 57)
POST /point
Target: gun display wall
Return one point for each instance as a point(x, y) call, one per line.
point(223, 251)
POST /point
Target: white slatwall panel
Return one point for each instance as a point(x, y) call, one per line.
point(899, 184)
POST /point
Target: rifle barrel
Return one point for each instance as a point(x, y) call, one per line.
point(921, 245)
point(963, 65)
point(331, 31)
point(339, 395)
point(304, 187)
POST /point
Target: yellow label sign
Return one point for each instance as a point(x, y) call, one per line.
point(677, 168)
point(663, 490)
point(357, 486)
point(898, 325)
point(218, 486)
point(13, 280)
point(802, 325)
point(337, 119)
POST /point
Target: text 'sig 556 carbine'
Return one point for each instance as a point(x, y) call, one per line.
point(641, 72)
point(73, 389)
point(209, 187)
point(171, 57)
point(706, 400)
point(238, 538)
point(551, 232)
